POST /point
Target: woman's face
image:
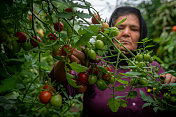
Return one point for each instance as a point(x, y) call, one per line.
point(129, 32)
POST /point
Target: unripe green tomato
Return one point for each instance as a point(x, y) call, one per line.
point(56, 100)
point(139, 57)
point(147, 57)
point(101, 84)
point(99, 44)
point(92, 79)
point(92, 54)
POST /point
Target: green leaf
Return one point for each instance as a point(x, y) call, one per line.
point(83, 40)
point(123, 103)
point(122, 81)
point(146, 104)
point(113, 104)
point(144, 97)
point(120, 22)
point(132, 94)
point(7, 84)
point(71, 81)
point(78, 67)
point(120, 88)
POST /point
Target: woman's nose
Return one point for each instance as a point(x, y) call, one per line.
point(126, 31)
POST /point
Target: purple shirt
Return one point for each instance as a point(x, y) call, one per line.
point(95, 101)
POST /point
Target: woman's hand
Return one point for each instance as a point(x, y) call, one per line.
point(78, 56)
point(169, 78)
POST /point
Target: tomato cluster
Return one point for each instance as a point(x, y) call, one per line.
point(47, 95)
point(101, 76)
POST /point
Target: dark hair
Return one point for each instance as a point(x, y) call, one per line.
point(121, 11)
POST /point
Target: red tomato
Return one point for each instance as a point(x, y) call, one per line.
point(174, 28)
point(49, 87)
point(58, 26)
point(52, 37)
point(83, 77)
point(33, 42)
point(67, 49)
point(45, 97)
point(94, 21)
point(21, 37)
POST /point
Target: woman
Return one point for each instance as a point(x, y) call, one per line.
point(95, 101)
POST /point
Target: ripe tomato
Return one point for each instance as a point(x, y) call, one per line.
point(67, 50)
point(94, 21)
point(45, 97)
point(58, 26)
point(104, 26)
point(101, 84)
point(21, 37)
point(83, 77)
point(174, 28)
point(92, 79)
point(33, 42)
point(139, 57)
point(69, 10)
point(52, 37)
point(91, 54)
point(147, 57)
point(99, 44)
point(82, 88)
point(49, 87)
point(56, 100)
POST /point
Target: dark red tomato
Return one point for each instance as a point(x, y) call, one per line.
point(21, 37)
point(82, 88)
point(52, 36)
point(83, 77)
point(45, 97)
point(67, 49)
point(94, 21)
point(58, 26)
point(49, 88)
point(33, 42)
point(69, 10)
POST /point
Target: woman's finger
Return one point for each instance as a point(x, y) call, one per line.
point(168, 78)
point(74, 59)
